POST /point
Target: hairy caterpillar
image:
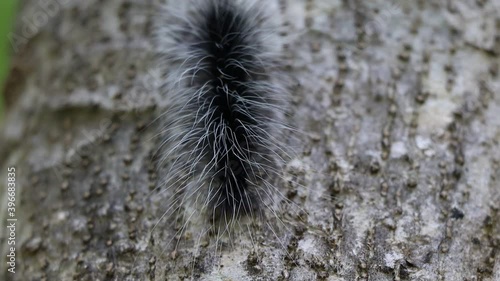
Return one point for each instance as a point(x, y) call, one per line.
point(223, 132)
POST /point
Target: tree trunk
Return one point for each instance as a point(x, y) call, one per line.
point(398, 163)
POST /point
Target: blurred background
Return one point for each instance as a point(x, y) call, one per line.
point(7, 12)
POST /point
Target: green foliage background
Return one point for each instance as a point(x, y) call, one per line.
point(7, 12)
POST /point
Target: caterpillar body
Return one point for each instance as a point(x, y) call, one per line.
point(223, 131)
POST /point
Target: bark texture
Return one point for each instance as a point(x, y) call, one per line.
point(399, 102)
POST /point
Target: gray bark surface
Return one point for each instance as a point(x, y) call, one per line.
point(398, 162)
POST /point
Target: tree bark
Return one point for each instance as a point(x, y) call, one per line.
point(398, 161)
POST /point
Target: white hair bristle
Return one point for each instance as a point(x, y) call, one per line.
point(223, 131)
